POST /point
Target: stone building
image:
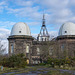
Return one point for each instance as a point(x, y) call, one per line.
point(38, 50)
point(20, 40)
point(66, 39)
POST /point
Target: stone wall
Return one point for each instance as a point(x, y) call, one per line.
point(60, 47)
point(20, 44)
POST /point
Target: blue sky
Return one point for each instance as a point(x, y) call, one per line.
point(56, 12)
point(30, 11)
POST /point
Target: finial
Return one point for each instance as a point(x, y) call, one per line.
point(43, 15)
point(43, 20)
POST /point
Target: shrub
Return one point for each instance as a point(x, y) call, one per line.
point(15, 61)
point(55, 61)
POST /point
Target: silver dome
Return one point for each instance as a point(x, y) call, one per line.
point(20, 28)
point(67, 28)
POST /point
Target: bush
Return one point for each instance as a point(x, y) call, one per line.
point(15, 61)
point(69, 61)
point(42, 64)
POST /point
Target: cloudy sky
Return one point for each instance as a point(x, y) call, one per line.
point(56, 12)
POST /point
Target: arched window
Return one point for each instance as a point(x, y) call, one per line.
point(62, 47)
point(12, 48)
point(38, 51)
point(27, 49)
point(51, 51)
point(36, 62)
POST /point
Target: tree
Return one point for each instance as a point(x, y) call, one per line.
point(44, 51)
point(15, 61)
point(2, 48)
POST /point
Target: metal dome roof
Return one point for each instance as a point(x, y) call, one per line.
point(67, 28)
point(20, 28)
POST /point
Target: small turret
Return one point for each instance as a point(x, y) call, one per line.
point(43, 35)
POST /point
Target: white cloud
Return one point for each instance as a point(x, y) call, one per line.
point(6, 24)
point(1, 9)
point(2, 3)
point(57, 11)
point(23, 3)
point(33, 23)
point(72, 2)
point(54, 3)
point(5, 45)
point(4, 33)
point(29, 12)
point(35, 35)
point(53, 34)
point(2, 6)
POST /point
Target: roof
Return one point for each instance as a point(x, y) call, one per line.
point(20, 28)
point(67, 28)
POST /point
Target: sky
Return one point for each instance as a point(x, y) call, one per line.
point(31, 12)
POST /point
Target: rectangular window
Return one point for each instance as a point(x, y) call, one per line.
point(27, 49)
point(62, 47)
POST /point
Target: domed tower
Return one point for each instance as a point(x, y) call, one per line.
point(20, 40)
point(67, 28)
point(20, 29)
point(66, 39)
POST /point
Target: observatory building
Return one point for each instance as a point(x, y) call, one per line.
point(21, 41)
point(66, 39)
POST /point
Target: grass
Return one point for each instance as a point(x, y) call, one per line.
point(56, 72)
point(17, 70)
point(65, 67)
point(41, 69)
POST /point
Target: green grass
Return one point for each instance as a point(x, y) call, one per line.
point(18, 70)
point(27, 69)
